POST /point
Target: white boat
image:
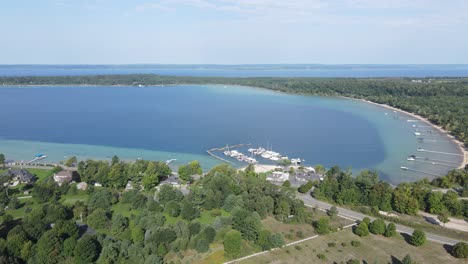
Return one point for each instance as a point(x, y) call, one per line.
point(417, 133)
point(419, 149)
point(411, 158)
point(274, 158)
point(227, 153)
point(404, 168)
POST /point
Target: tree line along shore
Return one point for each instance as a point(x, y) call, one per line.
point(226, 212)
point(442, 101)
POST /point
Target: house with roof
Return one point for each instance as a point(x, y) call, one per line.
point(22, 176)
point(278, 176)
point(62, 177)
point(172, 180)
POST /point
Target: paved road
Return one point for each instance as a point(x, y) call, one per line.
point(346, 213)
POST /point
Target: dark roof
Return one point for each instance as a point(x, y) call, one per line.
point(23, 175)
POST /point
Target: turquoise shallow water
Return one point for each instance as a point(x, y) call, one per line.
point(182, 122)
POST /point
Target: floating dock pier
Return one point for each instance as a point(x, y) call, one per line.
point(436, 163)
point(439, 152)
point(446, 161)
point(423, 172)
point(36, 159)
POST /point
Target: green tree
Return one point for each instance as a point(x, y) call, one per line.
point(115, 160)
point(390, 231)
point(98, 219)
point(209, 233)
point(434, 202)
point(444, 216)
point(168, 193)
point(264, 240)
point(362, 230)
point(232, 244)
point(322, 226)
point(48, 248)
point(282, 210)
point(377, 227)
point(188, 211)
point(119, 224)
point(69, 246)
point(101, 198)
point(194, 228)
point(172, 208)
point(2, 160)
point(117, 176)
point(287, 184)
point(460, 250)
point(138, 235)
point(86, 250)
point(305, 187)
point(418, 238)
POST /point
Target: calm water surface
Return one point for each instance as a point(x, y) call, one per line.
point(182, 122)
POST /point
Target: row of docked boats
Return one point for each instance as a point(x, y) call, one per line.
point(271, 155)
point(267, 154)
point(239, 156)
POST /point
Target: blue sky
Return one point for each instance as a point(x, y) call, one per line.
point(233, 31)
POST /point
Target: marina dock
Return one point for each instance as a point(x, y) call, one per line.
point(436, 163)
point(423, 172)
point(210, 151)
point(438, 152)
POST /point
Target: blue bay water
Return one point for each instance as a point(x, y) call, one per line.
point(183, 122)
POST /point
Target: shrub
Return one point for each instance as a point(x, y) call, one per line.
point(418, 238)
point(390, 230)
point(305, 187)
point(355, 243)
point(377, 227)
point(353, 261)
point(321, 256)
point(298, 247)
point(344, 244)
point(232, 244)
point(362, 230)
point(366, 220)
point(299, 234)
point(460, 250)
point(331, 244)
point(322, 226)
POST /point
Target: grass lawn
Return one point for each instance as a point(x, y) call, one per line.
point(42, 174)
point(207, 218)
point(21, 212)
point(373, 249)
point(71, 199)
point(124, 209)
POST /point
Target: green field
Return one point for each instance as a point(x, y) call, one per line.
point(42, 174)
point(373, 249)
point(72, 199)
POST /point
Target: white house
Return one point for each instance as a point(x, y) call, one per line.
point(278, 176)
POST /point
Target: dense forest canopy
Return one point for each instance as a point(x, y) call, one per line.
point(444, 101)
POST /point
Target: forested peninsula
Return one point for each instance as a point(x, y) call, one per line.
point(443, 101)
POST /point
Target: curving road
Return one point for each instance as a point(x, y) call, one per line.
point(352, 215)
